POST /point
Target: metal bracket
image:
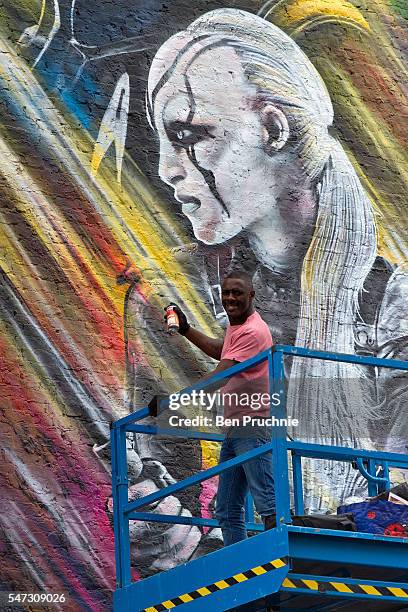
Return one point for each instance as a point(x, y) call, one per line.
point(122, 480)
point(367, 475)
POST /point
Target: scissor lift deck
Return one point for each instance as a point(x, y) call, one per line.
point(265, 564)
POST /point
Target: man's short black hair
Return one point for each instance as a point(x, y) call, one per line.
point(242, 275)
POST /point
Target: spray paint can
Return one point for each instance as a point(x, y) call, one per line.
point(173, 324)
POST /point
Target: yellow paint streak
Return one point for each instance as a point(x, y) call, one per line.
point(288, 584)
point(341, 587)
point(168, 604)
point(97, 157)
point(370, 590)
point(302, 10)
point(210, 454)
point(99, 152)
point(151, 610)
point(381, 30)
point(392, 232)
point(33, 209)
point(23, 274)
point(388, 148)
point(388, 239)
point(44, 2)
point(392, 238)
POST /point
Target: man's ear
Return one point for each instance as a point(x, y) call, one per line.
point(275, 130)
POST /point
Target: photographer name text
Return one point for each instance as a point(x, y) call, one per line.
point(220, 421)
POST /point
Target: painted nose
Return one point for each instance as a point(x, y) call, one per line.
point(171, 171)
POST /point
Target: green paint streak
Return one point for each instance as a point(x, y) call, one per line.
point(401, 6)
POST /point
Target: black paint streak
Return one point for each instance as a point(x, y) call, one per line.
point(191, 100)
point(166, 76)
point(225, 42)
point(208, 177)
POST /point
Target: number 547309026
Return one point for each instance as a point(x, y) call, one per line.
point(36, 598)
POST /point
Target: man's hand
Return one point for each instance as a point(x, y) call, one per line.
point(183, 323)
point(210, 346)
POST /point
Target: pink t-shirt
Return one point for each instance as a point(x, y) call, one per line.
point(241, 394)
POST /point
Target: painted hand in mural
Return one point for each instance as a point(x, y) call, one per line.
point(157, 546)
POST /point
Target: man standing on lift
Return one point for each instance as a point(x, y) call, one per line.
point(246, 335)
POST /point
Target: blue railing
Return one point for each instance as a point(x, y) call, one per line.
point(367, 462)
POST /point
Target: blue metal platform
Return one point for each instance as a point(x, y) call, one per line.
point(267, 562)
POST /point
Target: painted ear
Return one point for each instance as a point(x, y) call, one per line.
point(275, 128)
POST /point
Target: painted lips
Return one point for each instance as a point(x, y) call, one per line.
point(190, 207)
point(189, 203)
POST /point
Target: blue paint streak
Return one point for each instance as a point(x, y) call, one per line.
point(79, 100)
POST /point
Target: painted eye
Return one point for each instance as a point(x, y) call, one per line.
point(183, 135)
point(187, 135)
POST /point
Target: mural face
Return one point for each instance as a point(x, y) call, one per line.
point(212, 147)
point(145, 151)
point(219, 144)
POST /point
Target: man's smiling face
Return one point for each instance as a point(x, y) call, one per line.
point(211, 140)
point(237, 299)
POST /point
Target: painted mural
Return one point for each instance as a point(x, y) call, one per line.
point(147, 148)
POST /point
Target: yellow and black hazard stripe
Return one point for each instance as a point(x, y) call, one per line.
point(218, 586)
point(343, 587)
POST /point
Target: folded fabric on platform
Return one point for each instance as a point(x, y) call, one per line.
point(379, 516)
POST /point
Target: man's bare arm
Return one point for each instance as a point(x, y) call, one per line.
point(223, 365)
point(210, 346)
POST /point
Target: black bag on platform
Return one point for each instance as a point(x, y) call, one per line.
point(401, 490)
point(342, 522)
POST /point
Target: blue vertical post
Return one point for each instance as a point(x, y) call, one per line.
point(297, 483)
point(120, 499)
point(279, 453)
point(372, 486)
point(385, 473)
point(115, 499)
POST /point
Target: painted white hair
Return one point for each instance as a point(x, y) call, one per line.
point(343, 247)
